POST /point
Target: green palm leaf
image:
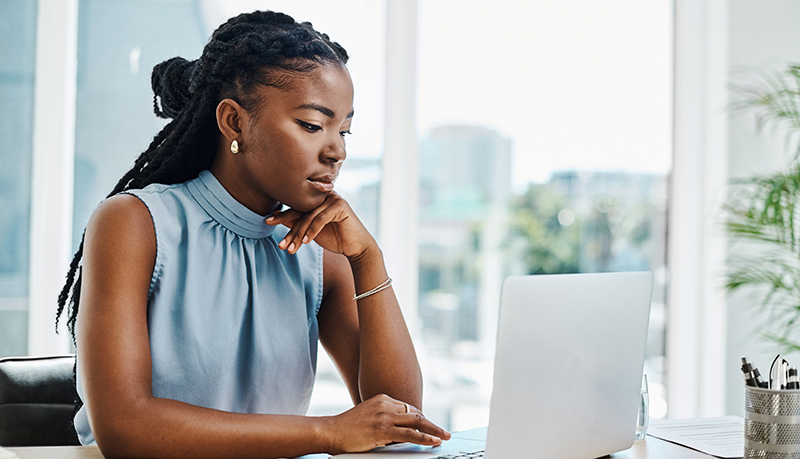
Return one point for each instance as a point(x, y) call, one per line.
point(761, 213)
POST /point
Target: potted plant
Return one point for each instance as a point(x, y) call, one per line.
point(763, 209)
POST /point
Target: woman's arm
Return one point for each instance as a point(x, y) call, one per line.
point(368, 339)
point(388, 360)
point(115, 367)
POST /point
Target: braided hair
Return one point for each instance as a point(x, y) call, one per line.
point(252, 49)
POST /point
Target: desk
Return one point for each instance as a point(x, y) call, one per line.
point(656, 448)
point(651, 448)
point(58, 452)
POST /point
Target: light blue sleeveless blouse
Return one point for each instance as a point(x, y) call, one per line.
point(232, 318)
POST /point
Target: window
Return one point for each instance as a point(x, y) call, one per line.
point(118, 45)
point(17, 62)
point(545, 144)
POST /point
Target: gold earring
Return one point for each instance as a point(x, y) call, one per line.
point(234, 147)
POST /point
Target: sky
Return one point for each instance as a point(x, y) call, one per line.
point(575, 84)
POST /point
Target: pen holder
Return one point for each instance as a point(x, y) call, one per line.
point(772, 423)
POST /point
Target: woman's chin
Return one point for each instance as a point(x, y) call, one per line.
point(307, 205)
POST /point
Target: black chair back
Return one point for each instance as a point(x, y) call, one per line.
point(37, 401)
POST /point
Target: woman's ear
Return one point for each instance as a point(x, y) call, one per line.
point(230, 117)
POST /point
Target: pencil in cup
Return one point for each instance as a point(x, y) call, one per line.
point(772, 423)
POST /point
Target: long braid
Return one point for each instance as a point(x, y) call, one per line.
point(252, 49)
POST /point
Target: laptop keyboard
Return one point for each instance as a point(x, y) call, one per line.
point(462, 455)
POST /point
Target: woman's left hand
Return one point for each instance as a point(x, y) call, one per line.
point(333, 225)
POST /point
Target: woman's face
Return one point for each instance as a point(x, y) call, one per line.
point(293, 146)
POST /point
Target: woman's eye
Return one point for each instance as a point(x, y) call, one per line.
point(310, 127)
point(344, 133)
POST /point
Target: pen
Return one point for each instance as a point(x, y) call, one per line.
point(794, 380)
point(774, 373)
point(784, 374)
point(752, 377)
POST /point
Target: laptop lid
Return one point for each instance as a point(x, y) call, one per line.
point(568, 366)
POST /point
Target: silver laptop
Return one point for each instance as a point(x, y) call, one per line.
point(568, 370)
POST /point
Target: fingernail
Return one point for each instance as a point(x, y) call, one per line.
point(305, 239)
point(282, 244)
point(291, 246)
point(269, 219)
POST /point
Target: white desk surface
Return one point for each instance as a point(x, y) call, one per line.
point(650, 448)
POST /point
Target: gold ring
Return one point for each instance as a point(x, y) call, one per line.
point(408, 407)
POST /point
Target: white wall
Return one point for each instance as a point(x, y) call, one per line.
point(761, 34)
point(695, 334)
point(717, 43)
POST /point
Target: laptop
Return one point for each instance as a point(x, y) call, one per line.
point(568, 371)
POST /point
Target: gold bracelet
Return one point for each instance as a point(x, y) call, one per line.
point(377, 289)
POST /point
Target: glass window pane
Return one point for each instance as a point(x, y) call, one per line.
point(545, 148)
point(14, 331)
point(118, 44)
point(17, 65)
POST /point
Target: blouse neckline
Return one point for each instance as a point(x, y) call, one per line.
point(225, 209)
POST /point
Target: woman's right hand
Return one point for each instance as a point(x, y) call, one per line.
point(379, 421)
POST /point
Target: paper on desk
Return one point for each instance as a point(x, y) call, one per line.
point(721, 436)
point(6, 454)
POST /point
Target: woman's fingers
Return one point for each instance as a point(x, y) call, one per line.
point(382, 420)
point(411, 419)
point(287, 217)
point(296, 236)
point(406, 407)
point(330, 225)
point(322, 219)
point(313, 222)
point(400, 434)
point(418, 421)
point(318, 218)
point(298, 224)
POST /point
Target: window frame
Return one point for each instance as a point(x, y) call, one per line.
point(52, 170)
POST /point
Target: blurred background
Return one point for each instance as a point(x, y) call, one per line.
point(490, 139)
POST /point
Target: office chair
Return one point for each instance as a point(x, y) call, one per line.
point(37, 401)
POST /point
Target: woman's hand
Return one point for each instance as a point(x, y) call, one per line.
point(333, 225)
point(379, 421)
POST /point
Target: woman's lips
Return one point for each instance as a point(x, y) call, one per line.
point(324, 184)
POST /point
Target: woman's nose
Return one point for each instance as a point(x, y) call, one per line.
point(335, 152)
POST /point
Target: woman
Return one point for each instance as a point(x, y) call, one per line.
point(201, 302)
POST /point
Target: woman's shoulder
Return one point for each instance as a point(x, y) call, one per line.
point(159, 192)
point(120, 208)
point(165, 203)
point(131, 212)
point(121, 222)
